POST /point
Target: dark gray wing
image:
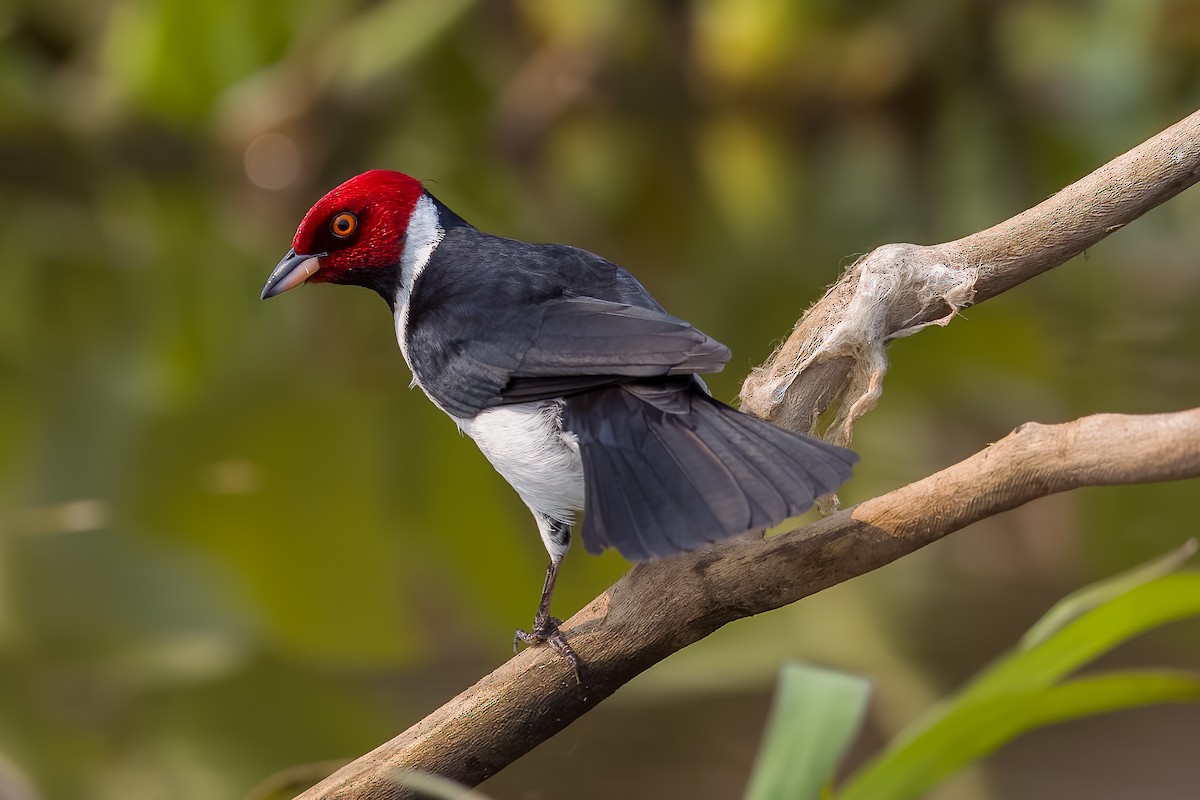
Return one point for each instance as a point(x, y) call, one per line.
point(494, 321)
point(668, 469)
point(585, 336)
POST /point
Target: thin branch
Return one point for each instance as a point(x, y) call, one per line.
point(835, 358)
point(661, 607)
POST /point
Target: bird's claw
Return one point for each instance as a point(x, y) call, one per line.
point(546, 631)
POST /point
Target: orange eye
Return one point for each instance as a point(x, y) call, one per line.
point(343, 224)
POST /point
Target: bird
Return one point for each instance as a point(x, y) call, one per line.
point(574, 382)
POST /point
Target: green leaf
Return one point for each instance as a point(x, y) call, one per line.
point(1078, 603)
point(972, 730)
point(815, 717)
point(1018, 693)
point(1163, 600)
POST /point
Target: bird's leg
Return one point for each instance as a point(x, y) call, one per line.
point(545, 627)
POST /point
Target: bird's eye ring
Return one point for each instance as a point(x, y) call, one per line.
point(343, 224)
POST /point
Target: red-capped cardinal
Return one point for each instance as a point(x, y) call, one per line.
point(575, 383)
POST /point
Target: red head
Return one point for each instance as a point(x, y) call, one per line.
point(354, 234)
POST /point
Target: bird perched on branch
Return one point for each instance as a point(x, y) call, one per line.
point(577, 386)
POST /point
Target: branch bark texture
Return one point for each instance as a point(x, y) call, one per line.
point(835, 358)
point(661, 607)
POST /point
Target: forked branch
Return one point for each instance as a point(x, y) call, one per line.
point(834, 359)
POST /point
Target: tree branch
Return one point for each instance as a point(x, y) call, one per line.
point(835, 356)
point(661, 607)
point(834, 359)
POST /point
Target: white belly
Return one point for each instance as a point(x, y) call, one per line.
point(526, 444)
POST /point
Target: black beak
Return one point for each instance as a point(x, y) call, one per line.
point(291, 271)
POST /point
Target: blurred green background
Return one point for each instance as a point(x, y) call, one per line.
point(232, 540)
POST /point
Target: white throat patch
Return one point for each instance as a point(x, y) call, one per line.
point(424, 235)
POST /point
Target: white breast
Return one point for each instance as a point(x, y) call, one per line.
point(526, 444)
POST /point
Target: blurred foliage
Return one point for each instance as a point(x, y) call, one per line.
point(815, 716)
point(816, 712)
point(232, 541)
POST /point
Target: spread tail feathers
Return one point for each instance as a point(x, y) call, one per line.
point(668, 468)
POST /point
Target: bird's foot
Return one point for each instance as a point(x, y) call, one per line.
point(546, 631)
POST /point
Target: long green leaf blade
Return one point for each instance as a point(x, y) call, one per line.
point(814, 719)
point(972, 730)
point(1097, 594)
point(1163, 600)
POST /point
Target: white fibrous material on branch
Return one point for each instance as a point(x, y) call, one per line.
point(872, 304)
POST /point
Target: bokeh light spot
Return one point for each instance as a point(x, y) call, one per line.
point(272, 161)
